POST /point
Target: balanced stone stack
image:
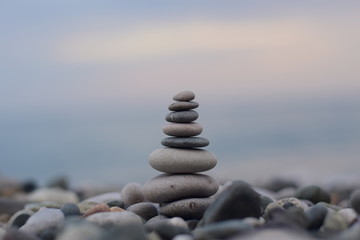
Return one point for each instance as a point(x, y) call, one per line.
point(181, 191)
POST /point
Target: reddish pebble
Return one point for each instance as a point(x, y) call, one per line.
point(101, 207)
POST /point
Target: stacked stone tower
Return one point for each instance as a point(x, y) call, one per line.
point(181, 190)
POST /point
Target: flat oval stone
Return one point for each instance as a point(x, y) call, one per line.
point(184, 96)
point(190, 208)
point(185, 142)
point(313, 193)
point(145, 210)
point(167, 188)
point(183, 106)
point(177, 160)
point(182, 116)
point(182, 129)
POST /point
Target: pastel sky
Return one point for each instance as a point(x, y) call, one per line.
point(85, 85)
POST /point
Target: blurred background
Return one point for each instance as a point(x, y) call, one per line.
point(85, 86)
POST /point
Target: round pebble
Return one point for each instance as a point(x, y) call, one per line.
point(131, 194)
point(100, 207)
point(167, 188)
point(185, 142)
point(145, 210)
point(313, 193)
point(183, 106)
point(19, 218)
point(355, 200)
point(184, 96)
point(182, 129)
point(176, 160)
point(315, 216)
point(191, 208)
point(70, 209)
point(237, 201)
point(182, 116)
point(116, 203)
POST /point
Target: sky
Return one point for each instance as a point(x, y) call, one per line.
point(85, 86)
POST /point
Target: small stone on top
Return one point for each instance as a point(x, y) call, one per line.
point(184, 96)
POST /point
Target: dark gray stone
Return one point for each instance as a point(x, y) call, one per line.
point(70, 209)
point(239, 200)
point(145, 210)
point(222, 230)
point(185, 142)
point(20, 220)
point(355, 200)
point(182, 116)
point(315, 216)
point(313, 193)
point(183, 106)
point(14, 234)
point(184, 96)
point(116, 203)
point(168, 188)
point(10, 206)
point(191, 208)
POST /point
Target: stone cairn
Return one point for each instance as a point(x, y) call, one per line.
point(181, 191)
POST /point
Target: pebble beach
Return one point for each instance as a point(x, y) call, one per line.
point(182, 202)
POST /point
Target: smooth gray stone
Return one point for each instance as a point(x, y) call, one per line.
point(70, 209)
point(106, 219)
point(19, 218)
point(182, 129)
point(222, 230)
point(183, 106)
point(237, 201)
point(79, 230)
point(167, 230)
point(182, 116)
point(168, 188)
point(191, 208)
point(334, 222)
point(184, 96)
point(43, 219)
point(185, 142)
point(315, 216)
point(313, 193)
point(131, 194)
point(355, 200)
point(177, 160)
point(146, 210)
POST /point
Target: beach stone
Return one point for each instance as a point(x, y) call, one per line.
point(116, 209)
point(36, 206)
point(185, 142)
point(184, 96)
point(152, 222)
point(291, 202)
point(334, 222)
point(105, 197)
point(191, 208)
point(10, 206)
point(168, 229)
point(48, 233)
point(43, 219)
point(100, 207)
point(145, 210)
point(116, 203)
point(14, 234)
point(349, 214)
point(106, 219)
point(80, 230)
point(313, 193)
point(167, 188)
point(182, 116)
point(70, 209)
point(292, 217)
point(237, 201)
point(276, 233)
point(183, 106)
point(222, 230)
point(315, 216)
point(131, 231)
point(177, 160)
point(355, 200)
point(58, 195)
point(132, 193)
point(85, 206)
point(19, 218)
point(182, 129)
